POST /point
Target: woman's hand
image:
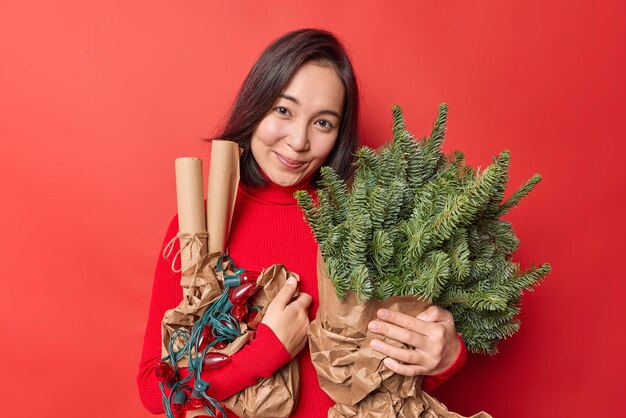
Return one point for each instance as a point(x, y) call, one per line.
point(289, 320)
point(432, 334)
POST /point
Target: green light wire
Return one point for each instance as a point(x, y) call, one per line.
point(225, 328)
point(173, 358)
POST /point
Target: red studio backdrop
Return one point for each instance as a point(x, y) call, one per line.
point(98, 98)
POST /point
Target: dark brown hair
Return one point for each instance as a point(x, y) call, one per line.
point(266, 81)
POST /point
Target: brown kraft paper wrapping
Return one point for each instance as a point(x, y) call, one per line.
point(221, 192)
point(352, 373)
point(202, 283)
point(275, 396)
point(191, 220)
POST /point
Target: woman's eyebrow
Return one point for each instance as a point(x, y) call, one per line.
point(293, 99)
point(321, 112)
point(330, 112)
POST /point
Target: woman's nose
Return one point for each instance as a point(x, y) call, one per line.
point(298, 138)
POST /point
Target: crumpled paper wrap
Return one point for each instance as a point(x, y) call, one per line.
point(275, 396)
point(202, 282)
point(382, 405)
point(351, 372)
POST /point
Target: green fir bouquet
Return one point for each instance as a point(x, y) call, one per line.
point(418, 222)
point(412, 227)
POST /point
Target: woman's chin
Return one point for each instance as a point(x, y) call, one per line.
point(287, 182)
point(283, 180)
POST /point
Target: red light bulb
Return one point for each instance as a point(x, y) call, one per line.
point(252, 317)
point(239, 312)
point(178, 410)
point(220, 345)
point(214, 361)
point(196, 402)
point(206, 337)
point(165, 372)
point(240, 294)
point(249, 276)
point(178, 406)
point(227, 323)
point(216, 413)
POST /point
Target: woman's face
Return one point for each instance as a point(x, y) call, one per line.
point(295, 137)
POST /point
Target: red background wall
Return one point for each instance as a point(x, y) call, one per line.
point(98, 98)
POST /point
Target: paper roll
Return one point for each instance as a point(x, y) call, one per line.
point(221, 192)
point(191, 218)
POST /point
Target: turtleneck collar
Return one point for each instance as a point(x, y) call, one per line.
point(273, 193)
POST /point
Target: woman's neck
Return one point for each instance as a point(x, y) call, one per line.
point(277, 194)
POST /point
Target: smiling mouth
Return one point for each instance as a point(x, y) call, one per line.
point(289, 163)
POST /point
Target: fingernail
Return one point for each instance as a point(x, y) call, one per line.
point(423, 316)
point(383, 313)
point(292, 281)
point(375, 344)
point(374, 326)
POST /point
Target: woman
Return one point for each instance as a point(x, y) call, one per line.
point(296, 110)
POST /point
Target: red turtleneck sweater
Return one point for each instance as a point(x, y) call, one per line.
point(267, 228)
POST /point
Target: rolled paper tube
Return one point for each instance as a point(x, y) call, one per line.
point(221, 192)
point(191, 218)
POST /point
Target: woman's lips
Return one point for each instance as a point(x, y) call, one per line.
point(289, 163)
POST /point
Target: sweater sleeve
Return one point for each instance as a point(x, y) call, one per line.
point(432, 382)
point(260, 358)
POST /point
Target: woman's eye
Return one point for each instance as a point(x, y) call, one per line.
point(282, 110)
point(325, 124)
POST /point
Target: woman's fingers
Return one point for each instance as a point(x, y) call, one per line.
point(302, 301)
point(405, 321)
point(435, 314)
point(431, 335)
point(398, 333)
point(289, 318)
point(401, 354)
point(285, 294)
point(404, 369)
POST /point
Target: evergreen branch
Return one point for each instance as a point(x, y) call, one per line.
point(531, 278)
point(459, 256)
point(399, 127)
point(311, 213)
point(337, 191)
point(362, 283)
point(515, 198)
point(382, 249)
point(439, 127)
point(433, 275)
point(338, 275)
